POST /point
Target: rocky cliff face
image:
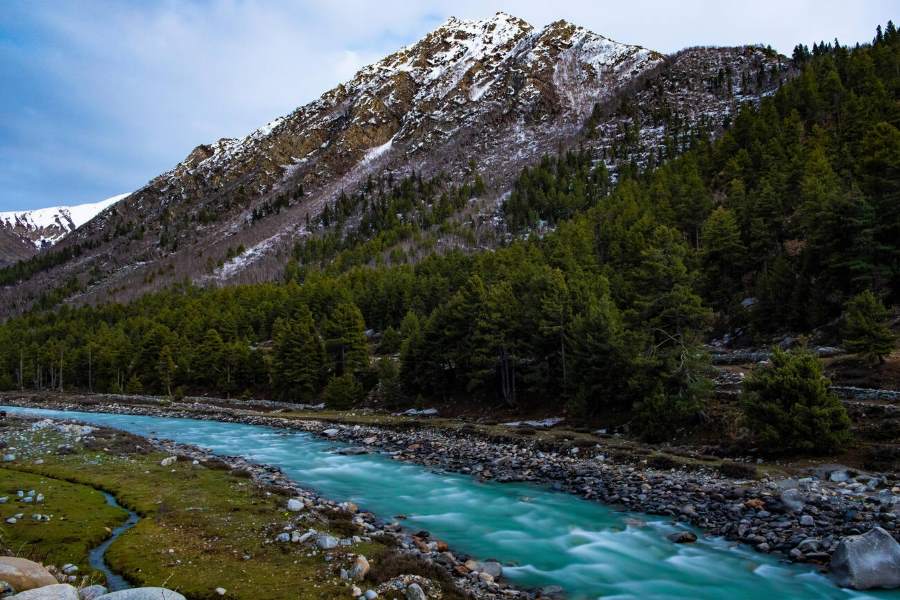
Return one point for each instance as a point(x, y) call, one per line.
point(495, 94)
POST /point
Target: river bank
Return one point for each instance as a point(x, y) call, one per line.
point(215, 526)
point(801, 518)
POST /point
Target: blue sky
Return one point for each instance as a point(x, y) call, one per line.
point(97, 98)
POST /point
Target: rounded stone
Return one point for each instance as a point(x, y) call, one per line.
point(24, 574)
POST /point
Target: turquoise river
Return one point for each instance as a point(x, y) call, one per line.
point(546, 538)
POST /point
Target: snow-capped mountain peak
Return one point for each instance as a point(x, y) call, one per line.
point(491, 95)
point(46, 226)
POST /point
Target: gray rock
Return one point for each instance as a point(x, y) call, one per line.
point(839, 476)
point(683, 537)
point(867, 561)
point(59, 591)
point(327, 542)
point(92, 592)
point(414, 592)
point(294, 505)
point(360, 568)
point(492, 568)
point(807, 521)
point(145, 593)
point(793, 500)
point(331, 431)
point(370, 595)
point(283, 537)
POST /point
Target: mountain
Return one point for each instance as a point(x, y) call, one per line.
point(23, 233)
point(490, 96)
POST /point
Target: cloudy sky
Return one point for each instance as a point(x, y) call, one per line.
point(98, 97)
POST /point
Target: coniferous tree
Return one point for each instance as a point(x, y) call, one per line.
point(723, 255)
point(165, 367)
point(345, 339)
point(865, 331)
point(298, 357)
point(789, 407)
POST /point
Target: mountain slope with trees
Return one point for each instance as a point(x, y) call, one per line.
point(466, 93)
point(775, 225)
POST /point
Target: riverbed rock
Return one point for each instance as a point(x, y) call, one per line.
point(92, 592)
point(24, 574)
point(793, 500)
point(294, 505)
point(57, 591)
point(867, 561)
point(683, 537)
point(492, 568)
point(145, 593)
point(414, 592)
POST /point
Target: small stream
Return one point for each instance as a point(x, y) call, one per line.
point(546, 538)
point(97, 556)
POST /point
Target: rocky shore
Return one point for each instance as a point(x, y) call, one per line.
point(802, 518)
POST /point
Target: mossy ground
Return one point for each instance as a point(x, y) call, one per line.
point(80, 519)
point(200, 528)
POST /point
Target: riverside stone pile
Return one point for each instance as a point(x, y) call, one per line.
point(22, 579)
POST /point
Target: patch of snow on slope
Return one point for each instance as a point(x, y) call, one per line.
point(374, 153)
point(246, 258)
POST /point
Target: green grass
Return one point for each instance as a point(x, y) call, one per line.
point(197, 525)
point(81, 519)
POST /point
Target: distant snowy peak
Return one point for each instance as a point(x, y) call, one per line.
point(46, 226)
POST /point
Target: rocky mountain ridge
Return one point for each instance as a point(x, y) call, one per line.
point(491, 95)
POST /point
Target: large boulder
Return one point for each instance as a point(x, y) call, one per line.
point(57, 591)
point(92, 592)
point(24, 574)
point(145, 593)
point(867, 561)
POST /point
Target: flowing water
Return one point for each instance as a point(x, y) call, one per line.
point(549, 538)
point(97, 556)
